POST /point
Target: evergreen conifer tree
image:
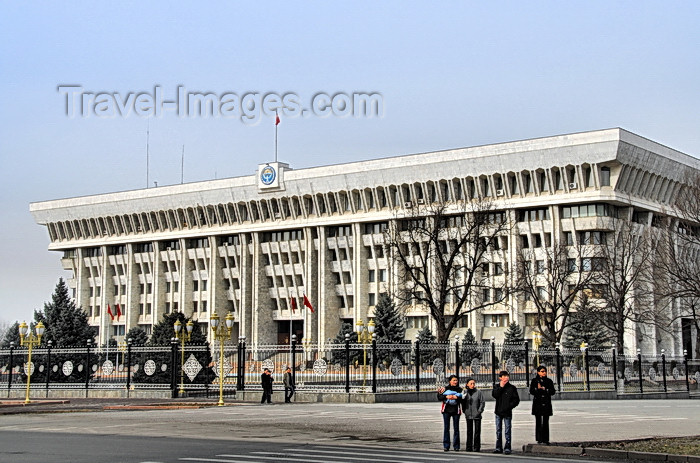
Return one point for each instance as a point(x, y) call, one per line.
point(513, 343)
point(66, 325)
point(585, 326)
point(137, 335)
point(426, 336)
point(470, 348)
point(11, 335)
point(163, 331)
point(389, 322)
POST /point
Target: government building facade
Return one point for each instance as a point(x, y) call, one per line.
point(251, 245)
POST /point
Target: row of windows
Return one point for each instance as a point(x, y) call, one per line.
point(286, 235)
point(323, 204)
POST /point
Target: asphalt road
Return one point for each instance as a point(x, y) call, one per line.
point(407, 432)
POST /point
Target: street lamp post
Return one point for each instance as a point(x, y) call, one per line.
point(364, 337)
point(29, 339)
point(221, 334)
point(537, 342)
point(182, 336)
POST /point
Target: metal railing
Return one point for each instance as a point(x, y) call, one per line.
point(339, 367)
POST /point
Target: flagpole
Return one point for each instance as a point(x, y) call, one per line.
point(277, 118)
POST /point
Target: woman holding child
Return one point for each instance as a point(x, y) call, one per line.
point(451, 398)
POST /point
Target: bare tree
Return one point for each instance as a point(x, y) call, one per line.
point(678, 255)
point(439, 251)
point(623, 275)
point(554, 280)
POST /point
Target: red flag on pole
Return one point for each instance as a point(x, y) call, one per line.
point(308, 304)
point(294, 304)
point(119, 312)
point(109, 311)
point(277, 119)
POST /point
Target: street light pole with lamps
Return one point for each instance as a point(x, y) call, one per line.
point(27, 338)
point(537, 342)
point(364, 337)
point(182, 336)
point(221, 334)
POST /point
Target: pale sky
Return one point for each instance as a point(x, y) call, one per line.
point(463, 74)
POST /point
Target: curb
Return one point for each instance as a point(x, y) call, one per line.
point(607, 453)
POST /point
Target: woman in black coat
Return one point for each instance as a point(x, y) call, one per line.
point(542, 390)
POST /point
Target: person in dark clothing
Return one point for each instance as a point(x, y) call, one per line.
point(507, 399)
point(266, 382)
point(542, 390)
point(289, 386)
point(451, 409)
point(473, 403)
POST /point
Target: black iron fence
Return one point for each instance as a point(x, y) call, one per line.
point(336, 367)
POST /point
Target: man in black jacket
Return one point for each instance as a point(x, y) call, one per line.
point(507, 399)
point(266, 383)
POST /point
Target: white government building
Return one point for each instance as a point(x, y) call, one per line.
point(250, 244)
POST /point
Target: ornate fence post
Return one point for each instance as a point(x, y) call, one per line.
point(239, 371)
point(128, 366)
point(457, 359)
point(527, 362)
point(12, 368)
point(493, 360)
point(294, 359)
point(87, 368)
point(374, 363)
point(685, 362)
point(614, 365)
point(347, 362)
point(243, 359)
point(639, 370)
point(663, 367)
point(560, 376)
point(417, 360)
point(48, 366)
point(588, 369)
point(173, 375)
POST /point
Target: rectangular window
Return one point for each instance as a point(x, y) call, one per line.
point(118, 330)
point(371, 276)
point(195, 306)
point(204, 306)
point(382, 275)
point(571, 265)
point(486, 295)
point(141, 311)
point(195, 285)
point(167, 286)
point(569, 238)
point(539, 266)
point(498, 268)
point(416, 322)
point(375, 228)
point(148, 309)
point(371, 300)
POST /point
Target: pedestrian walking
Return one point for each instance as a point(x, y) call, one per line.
point(266, 382)
point(289, 385)
point(451, 398)
point(507, 399)
point(542, 390)
point(473, 403)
